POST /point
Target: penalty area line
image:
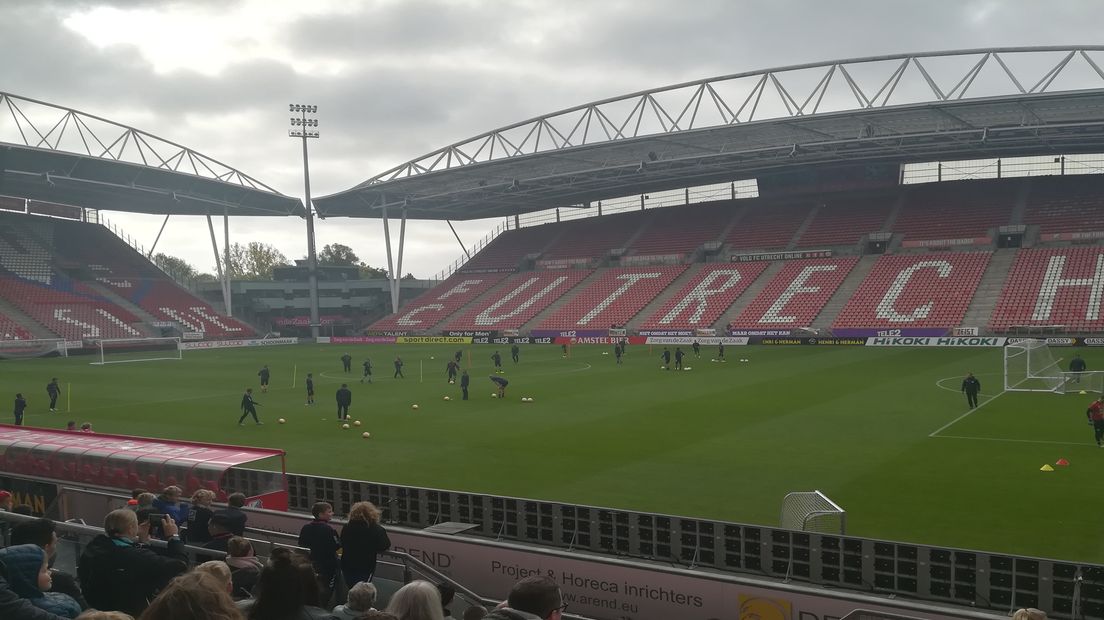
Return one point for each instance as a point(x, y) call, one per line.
point(965, 415)
point(1038, 441)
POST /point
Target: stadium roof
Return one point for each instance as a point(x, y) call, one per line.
point(964, 104)
point(55, 154)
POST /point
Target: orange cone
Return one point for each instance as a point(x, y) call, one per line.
point(1062, 463)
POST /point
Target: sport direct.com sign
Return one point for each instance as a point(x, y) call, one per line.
point(433, 340)
point(935, 342)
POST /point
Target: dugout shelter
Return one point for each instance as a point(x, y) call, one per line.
point(124, 463)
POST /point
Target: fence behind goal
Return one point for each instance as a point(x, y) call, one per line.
point(19, 349)
point(812, 511)
point(123, 350)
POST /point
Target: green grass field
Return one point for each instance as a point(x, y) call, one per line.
point(723, 441)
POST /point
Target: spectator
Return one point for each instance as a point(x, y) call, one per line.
point(12, 606)
point(287, 590)
point(362, 599)
point(6, 501)
point(533, 598)
point(361, 540)
point(220, 571)
point(322, 540)
point(86, 427)
point(29, 577)
point(93, 614)
point(71, 425)
point(1029, 613)
point(475, 612)
point(118, 572)
point(447, 593)
point(235, 514)
point(199, 516)
point(145, 500)
point(245, 568)
point(197, 595)
point(169, 503)
point(26, 510)
point(219, 527)
point(417, 600)
point(376, 614)
point(41, 532)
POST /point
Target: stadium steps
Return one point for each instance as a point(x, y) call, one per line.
point(750, 293)
point(494, 292)
point(894, 213)
point(1023, 193)
point(989, 289)
point(733, 222)
point(36, 329)
point(543, 315)
point(672, 289)
point(844, 293)
point(804, 226)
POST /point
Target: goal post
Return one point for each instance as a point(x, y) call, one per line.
point(812, 511)
point(1030, 366)
point(1088, 381)
point(44, 347)
point(124, 350)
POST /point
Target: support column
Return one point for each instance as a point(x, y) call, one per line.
point(229, 294)
point(398, 266)
point(390, 262)
point(158, 238)
point(218, 259)
point(312, 257)
point(453, 229)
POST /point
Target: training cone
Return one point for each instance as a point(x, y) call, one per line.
point(1046, 468)
point(1062, 463)
point(1083, 392)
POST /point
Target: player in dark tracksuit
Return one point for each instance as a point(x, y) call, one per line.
point(249, 407)
point(515, 352)
point(264, 374)
point(459, 355)
point(464, 381)
point(347, 362)
point(367, 371)
point(720, 352)
point(666, 358)
point(971, 386)
point(310, 389)
point(618, 352)
point(1077, 366)
point(398, 368)
point(501, 383)
point(53, 390)
point(344, 399)
point(697, 349)
point(497, 361)
point(20, 407)
point(1096, 419)
point(451, 368)
point(678, 358)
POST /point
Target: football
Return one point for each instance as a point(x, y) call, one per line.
point(281, 420)
point(356, 422)
point(345, 426)
point(413, 406)
point(448, 398)
point(493, 395)
point(366, 434)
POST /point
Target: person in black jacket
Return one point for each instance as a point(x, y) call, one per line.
point(678, 358)
point(42, 532)
point(199, 517)
point(322, 540)
point(20, 407)
point(248, 407)
point(971, 386)
point(310, 389)
point(265, 374)
point(53, 391)
point(344, 399)
point(235, 517)
point(347, 362)
point(497, 359)
point(361, 540)
point(14, 606)
point(464, 381)
point(118, 572)
point(666, 358)
point(1076, 366)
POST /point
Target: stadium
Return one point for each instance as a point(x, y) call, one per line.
point(826, 250)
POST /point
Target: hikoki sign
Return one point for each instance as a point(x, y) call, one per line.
point(945, 341)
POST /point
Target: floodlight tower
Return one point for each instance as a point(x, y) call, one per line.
point(303, 127)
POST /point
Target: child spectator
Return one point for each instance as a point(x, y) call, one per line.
point(29, 577)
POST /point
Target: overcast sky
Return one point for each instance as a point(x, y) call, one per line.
point(397, 79)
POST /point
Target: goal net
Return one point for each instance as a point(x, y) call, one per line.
point(122, 350)
point(1029, 366)
point(21, 349)
point(1090, 382)
point(812, 511)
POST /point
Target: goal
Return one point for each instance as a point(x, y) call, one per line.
point(812, 511)
point(21, 349)
point(123, 350)
point(1089, 381)
point(1029, 366)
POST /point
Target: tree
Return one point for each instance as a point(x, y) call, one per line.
point(368, 273)
point(255, 261)
point(338, 255)
point(177, 267)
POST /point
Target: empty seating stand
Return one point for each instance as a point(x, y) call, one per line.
point(520, 299)
point(844, 223)
point(504, 252)
point(1057, 287)
point(439, 302)
point(10, 330)
point(796, 294)
point(915, 290)
point(767, 226)
point(705, 297)
point(946, 211)
point(1060, 206)
point(617, 296)
point(592, 238)
point(678, 231)
point(74, 314)
point(167, 301)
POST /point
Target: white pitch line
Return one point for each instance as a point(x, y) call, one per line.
point(963, 416)
point(1039, 441)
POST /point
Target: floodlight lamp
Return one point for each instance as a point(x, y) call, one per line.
point(291, 107)
point(314, 109)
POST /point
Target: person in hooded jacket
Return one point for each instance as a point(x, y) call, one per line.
point(532, 598)
point(29, 577)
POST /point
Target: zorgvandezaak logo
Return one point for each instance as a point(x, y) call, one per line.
point(759, 608)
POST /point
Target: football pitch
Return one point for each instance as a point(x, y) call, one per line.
point(884, 432)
